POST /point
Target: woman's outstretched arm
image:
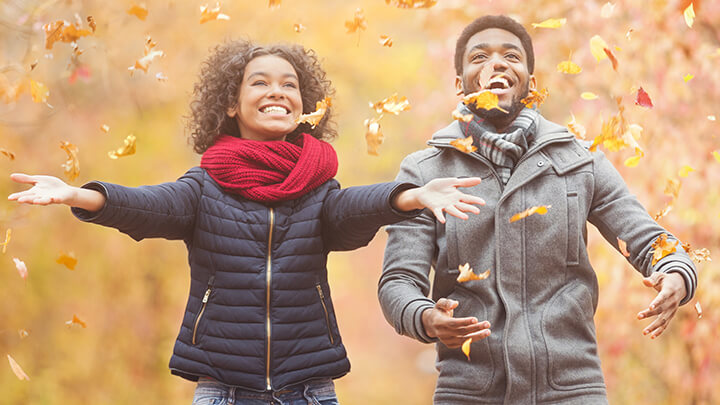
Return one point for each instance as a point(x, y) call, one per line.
point(47, 190)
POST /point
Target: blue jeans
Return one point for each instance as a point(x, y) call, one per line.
point(317, 392)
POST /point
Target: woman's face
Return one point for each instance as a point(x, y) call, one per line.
point(268, 101)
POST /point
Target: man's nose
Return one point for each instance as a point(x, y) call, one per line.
point(497, 60)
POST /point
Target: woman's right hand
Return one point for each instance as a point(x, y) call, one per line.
point(45, 190)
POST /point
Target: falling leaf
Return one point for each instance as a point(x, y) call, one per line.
point(138, 10)
point(72, 165)
point(698, 309)
point(622, 245)
point(672, 187)
point(698, 255)
point(125, 150)
point(411, 3)
point(8, 234)
point(535, 97)
point(297, 27)
point(39, 92)
point(643, 99)
point(629, 33)
point(541, 210)
point(457, 115)
point(467, 274)
point(662, 247)
point(612, 57)
point(688, 77)
point(358, 23)
point(273, 4)
point(17, 369)
point(161, 77)
point(75, 321)
point(576, 128)
point(464, 145)
point(314, 117)
point(466, 347)
point(716, 155)
point(689, 15)
point(393, 104)
point(617, 134)
point(62, 31)
point(7, 153)
point(149, 55)
point(386, 41)
point(568, 67)
point(663, 212)
point(373, 136)
point(607, 10)
point(634, 160)
point(209, 14)
point(587, 95)
point(68, 260)
point(551, 23)
point(105, 128)
point(685, 171)
point(23, 333)
point(33, 65)
point(597, 47)
point(21, 268)
point(483, 99)
point(91, 23)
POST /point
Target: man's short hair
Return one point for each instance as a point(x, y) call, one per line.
point(494, 21)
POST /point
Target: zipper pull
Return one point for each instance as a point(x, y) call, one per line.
point(320, 291)
point(209, 289)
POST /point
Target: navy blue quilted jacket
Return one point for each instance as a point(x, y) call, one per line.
point(259, 315)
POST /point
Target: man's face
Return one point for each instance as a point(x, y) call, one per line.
point(495, 60)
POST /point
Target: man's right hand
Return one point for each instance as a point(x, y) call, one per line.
point(452, 332)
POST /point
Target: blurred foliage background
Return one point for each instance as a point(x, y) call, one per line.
point(131, 295)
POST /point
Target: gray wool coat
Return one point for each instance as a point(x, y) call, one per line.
point(542, 291)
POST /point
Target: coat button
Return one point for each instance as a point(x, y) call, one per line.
point(541, 163)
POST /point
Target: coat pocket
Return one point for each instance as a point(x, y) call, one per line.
point(569, 333)
point(321, 295)
point(201, 312)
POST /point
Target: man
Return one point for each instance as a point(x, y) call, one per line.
point(541, 294)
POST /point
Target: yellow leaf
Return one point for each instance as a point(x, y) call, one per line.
point(597, 47)
point(662, 247)
point(358, 23)
point(72, 165)
point(698, 309)
point(672, 187)
point(210, 14)
point(8, 234)
point(464, 144)
point(314, 117)
point(39, 92)
point(386, 41)
point(716, 155)
point(23, 333)
point(297, 27)
point(568, 67)
point(411, 3)
point(607, 10)
point(273, 4)
point(466, 347)
point(68, 260)
point(540, 210)
point(457, 115)
point(576, 128)
point(19, 373)
point(75, 321)
point(689, 15)
point(125, 150)
point(393, 104)
point(685, 171)
point(634, 160)
point(535, 97)
point(688, 77)
point(587, 95)
point(483, 99)
point(467, 274)
point(663, 212)
point(551, 23)
point(622, 245)
point(149, 55)
point(373, 136)
point(105, 128)
point(138, 10)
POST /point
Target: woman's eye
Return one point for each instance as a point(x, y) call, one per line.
point(259, 83)
point(291, 85)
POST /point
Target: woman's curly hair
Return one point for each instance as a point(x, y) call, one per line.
point(221, 73)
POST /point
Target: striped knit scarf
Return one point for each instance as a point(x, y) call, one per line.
point(504, 149)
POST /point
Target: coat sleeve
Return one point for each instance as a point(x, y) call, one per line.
point(352, 216)
point(160, 211)
point(410, 251)
point(618, 214)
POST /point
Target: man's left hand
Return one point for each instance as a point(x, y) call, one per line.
point(671, 287)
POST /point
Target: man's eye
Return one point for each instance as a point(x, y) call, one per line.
point(512, 56)
point(478, 56)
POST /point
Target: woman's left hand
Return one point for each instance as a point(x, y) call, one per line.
point(440, 195)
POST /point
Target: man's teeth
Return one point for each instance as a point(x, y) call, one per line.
point(274, 109)
point(499, 82)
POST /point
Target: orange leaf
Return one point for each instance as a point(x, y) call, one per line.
point(21, 268)
point(457, 115)
point(386, 41)
point(23, 333)
point(149, 55)
point(698, 309)
point(297, 27)
point(72, 165)
point(698, 255)
point(126, 150)
point(63, 31)
point(373, 136)
point(576, 128)
point(467, 274)
point(273, 4)
point(91, 23)
point(314, 117)
point(662, 247)
point(483, 99)
point(210, 14)
point(535, 97)
point(140, 11)
point(464, 144)
point(664, 212)
point(17, 369)
point(8, 233)
point(612, 57)
point(411, 3)
point(105, 128)
point(68, 260)
point(75, 321)
point(466, 347)
point(39, 92)
point(541, 210)
point(393, 104)
point(7, 153)
point(358, 23)
point(623, 247)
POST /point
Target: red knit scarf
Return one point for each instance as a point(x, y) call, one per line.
point(270, 171)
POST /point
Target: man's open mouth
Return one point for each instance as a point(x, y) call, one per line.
point(498, 84)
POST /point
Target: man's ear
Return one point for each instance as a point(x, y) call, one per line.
point(458, 85)
point(533, 83)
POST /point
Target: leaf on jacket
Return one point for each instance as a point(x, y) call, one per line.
point(210, 14)
point(411, 3)
point(689, 15)
point(393, 104)
point(72, 165)
point(149, 54)
point(138, 10)
point(75, 321)
point(385, 40)
point(7, 153)
point(541, 210)
point(8, 234)
point(467, 274)
point(698, 309)
point(21, 268)
point(483, 99)
point(373, 135)
point(298, 27)
point(685, 171)
point(535, 97)
point(358, 23)
point(569, 67)
point(19, 373)
point(663, 247)
point(126, 150)
point(643, 99)
point(68, 260)
point(576, 128)
point(622, 245)
point(697, 255)
point(551, 23)
point(314, 117)
point(464, 145)
point(466, 347)
point(457, 115)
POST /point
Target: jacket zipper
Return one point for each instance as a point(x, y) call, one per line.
point(327, 316)
point(202, 309)
point(268, 280)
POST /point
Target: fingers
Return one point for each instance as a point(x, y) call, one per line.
point(454, 337)
point(446, 304)
point(452, 210)
point(471, 199)
point(658, 326)
point(467, 208)
point(468, 182)
point(438, 212)
point(23, 178)
point(654, 280)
